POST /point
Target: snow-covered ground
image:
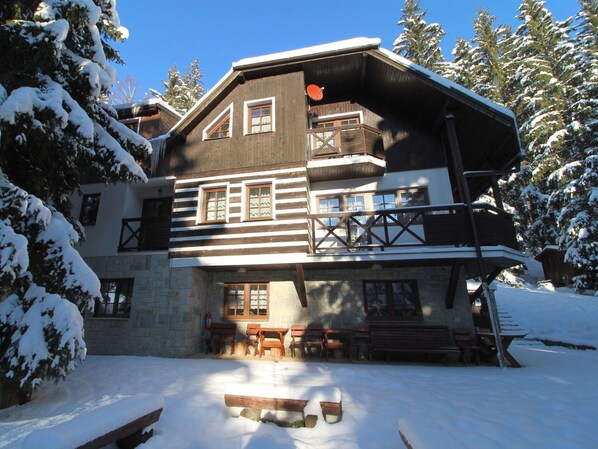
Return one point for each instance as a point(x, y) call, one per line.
point(551, 403)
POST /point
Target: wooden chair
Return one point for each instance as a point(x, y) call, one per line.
point(297, 339)
point(468, 346)
point(314, 338)
point(361, 341)
point(252, 338)
point(342, 340)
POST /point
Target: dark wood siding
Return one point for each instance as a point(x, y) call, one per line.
point(287, 144)
point(406, 145)
point(286, 232)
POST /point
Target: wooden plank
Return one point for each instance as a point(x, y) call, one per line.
point(290, 405)
point(332, 408)
point(301, 291)
point(123, 431)
point(455, 154)
point(451, 291)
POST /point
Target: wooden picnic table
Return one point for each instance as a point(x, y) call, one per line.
point(489, 341)
point(272, 337)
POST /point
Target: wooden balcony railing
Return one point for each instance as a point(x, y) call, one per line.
point(144, 234)
point(445, 225)
point(348, 140)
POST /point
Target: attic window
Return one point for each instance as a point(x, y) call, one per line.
point(259, 116)
point(220, 127)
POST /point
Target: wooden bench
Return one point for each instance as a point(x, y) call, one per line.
point(304, 403)
point(221, 334)
point(411, 339)
point(124, 422)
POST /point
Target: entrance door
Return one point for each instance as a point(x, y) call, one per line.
point(155, 224)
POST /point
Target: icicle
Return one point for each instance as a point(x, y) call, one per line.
point(158, 149)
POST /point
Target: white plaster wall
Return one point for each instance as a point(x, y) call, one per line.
point(436, 180)
point(101, 239)
point(117, 201)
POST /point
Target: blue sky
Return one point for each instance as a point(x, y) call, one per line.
point(219, 33)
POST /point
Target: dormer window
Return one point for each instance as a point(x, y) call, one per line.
point(220, 127)
point(259, 116)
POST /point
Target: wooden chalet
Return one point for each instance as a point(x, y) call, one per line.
point(334, 184)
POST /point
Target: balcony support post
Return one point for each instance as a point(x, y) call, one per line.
point(488, 294)
point(449, 301)
point(455, 154)
point(301, 291)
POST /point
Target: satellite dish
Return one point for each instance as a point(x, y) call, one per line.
point(315, 92)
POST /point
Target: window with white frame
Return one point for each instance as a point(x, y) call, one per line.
point(259, 116)
point(221, 126)
point(259, 201)
point(212, 204)
point(355, 202)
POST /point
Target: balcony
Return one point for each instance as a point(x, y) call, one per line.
point(421, 226)
point(343, 152)
point(144, 234)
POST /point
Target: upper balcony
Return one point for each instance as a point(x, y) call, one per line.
point(344, 152)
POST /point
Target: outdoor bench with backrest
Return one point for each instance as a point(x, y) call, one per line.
point(220, 335)
point(125, 422)
point(411, 339)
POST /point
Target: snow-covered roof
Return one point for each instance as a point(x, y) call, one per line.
point(146, 102)
point(355, 44)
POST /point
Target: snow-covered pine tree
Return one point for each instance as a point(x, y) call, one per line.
point(172, 88)
point(544, 71)
point(193, 85)
point(419, 41)
point(491, 64)
point(459, 69)
point(574, 186)
point(54, 66)
point(182, 91)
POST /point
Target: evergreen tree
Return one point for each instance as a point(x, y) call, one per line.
point(419, 42)
point(459, 69)
point(491, 64)
point(574, 186)
point(182, 91)
point(545, 73)
point(54, 66)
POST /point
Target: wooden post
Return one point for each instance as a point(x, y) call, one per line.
point(492, 311)
point(455, 153)
point(301, 285)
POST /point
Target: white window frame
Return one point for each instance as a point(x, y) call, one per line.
point(200, 200)
point(257, 182)
point(259, 102)
point(340, 116)
point(229, 109)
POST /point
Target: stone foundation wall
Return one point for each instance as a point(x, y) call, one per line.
point(165, 308)
point(168, 304)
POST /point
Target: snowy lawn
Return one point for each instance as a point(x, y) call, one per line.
point(550, 403)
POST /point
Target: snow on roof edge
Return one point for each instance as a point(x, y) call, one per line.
point(146, 102)
point(448, 83)
point(357, 43)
